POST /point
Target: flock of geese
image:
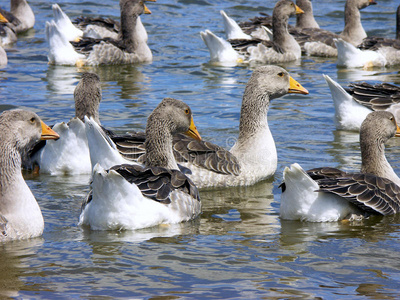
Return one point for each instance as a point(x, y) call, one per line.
point(143, 179)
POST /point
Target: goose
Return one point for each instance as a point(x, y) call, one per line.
point(20, 214)
point(93, 27)
point(21, 15)
point(315, 41)
point(252, 158)
point(329, 195)
point(130, 47)
point(129, 197)
point(282, 48)
point(354, 104)
point(70, 154)
point(7, 30)
point(305, 20)
point(372, 52)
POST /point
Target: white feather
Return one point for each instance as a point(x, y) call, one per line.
point(220, 50)
point(300, 201)
point(352, 57)
point(61, 52)
point(63, 22)
point(232, 29)
point(349, 114)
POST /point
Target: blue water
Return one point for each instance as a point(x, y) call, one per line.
point(238, 248)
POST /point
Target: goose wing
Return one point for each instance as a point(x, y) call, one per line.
point(377, 97)
point(200, 153)
point(369, 192)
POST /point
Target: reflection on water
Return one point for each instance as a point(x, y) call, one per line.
point(14, 262)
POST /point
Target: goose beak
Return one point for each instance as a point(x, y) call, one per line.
point(48, 133)
point(295, 87)
point(3, 19)
point(397, 134)
point(300, 11)
point(192, 132)
point(146, 10)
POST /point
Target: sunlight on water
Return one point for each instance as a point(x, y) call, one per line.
point(239, 247)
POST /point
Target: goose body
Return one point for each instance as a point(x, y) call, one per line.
point(349, 114)
point(92, 27)
point(20, 214)
point(70, 154)
point(316, 41)
point(8, 33)
point(372, 52)
point(129, 197)
point(354, 104)
point(130, 47)
point(251, 159)
point(328, 194)
point(21, 15)
point(282, 48)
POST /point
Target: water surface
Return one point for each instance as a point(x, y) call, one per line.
point(238, 248)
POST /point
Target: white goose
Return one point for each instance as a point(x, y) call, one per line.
point(130, 47)
point(20, 214)
point(329, 194)
point(354, 104)
point(282, 48)
point(251, 159)
point(129, 197)
point(70, 154)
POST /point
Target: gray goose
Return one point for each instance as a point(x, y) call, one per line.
point(320, 42)
point(282, 48)
point(209, 165)
point(138, 196)
point(20, 214)
point(328, 194)
point(129, 48)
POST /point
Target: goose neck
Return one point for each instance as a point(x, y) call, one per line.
point(253, 116)
point(158, 145)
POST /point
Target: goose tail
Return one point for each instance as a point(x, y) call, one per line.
point(102, 149)
point(349, 114)
point(232, 29)
point(352, 57)
point(64, 23)
point(61, 52)
point(221, 51)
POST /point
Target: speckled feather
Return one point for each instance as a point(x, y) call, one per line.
point(200, 153)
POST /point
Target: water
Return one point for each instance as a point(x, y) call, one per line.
point(238, 248)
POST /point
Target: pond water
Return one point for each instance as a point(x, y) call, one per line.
point(238, 247)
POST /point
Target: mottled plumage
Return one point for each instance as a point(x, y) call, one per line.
point(137, 196)
point(329, 194)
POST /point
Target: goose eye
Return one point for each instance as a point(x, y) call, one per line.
point(32, 120)
point(187, 111)
point(280, 74)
